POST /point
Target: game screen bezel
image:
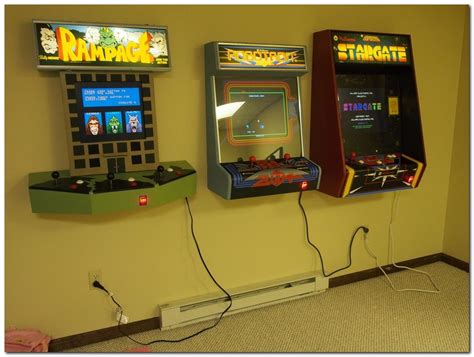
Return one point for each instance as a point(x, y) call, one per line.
point(370, 129)
point(236, 94)
point(233, 148)
point(105, 112)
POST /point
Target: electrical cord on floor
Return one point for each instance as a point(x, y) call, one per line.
point(390, 281)
point(391, 245)
point(229, 297)
point(365, 229)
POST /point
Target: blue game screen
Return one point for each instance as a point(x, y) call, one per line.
point(110, 111)
point(110, 97)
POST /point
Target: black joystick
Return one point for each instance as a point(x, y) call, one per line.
point(110, 177)
point(55, 176)
point(159, 172)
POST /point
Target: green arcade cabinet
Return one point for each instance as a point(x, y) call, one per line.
point(110, 120)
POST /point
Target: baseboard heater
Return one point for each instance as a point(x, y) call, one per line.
point(207, 307)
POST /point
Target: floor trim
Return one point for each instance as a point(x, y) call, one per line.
point(87, 338)
point(455, 262)
point(372, 273)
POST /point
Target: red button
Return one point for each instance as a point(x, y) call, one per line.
point(143, 200)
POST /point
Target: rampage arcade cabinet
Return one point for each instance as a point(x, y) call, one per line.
point(365, 118)
point(254, 136)
point(110, 121)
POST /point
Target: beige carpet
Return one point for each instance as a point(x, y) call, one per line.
point(367, 316)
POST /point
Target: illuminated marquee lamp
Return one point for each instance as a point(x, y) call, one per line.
point(92, 46)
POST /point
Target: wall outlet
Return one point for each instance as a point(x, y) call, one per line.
point(120, 317)
point(93, 276)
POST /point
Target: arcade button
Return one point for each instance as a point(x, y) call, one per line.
point(408, 178)
point(131, 179)
point(73, 186)
point(132, 182)
point(361, 162)
point(286, 157)
point(379, 162)
point(252, 160)
point(389, 158)
point(169, 169)
point(79, 182)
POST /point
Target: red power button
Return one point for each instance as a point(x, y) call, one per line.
point(143, 200)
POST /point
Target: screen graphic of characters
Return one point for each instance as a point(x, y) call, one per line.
point(133, 120)
point(113, 122)
point(93, 124)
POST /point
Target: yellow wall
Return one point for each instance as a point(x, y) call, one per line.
point(147, 257)
point(456, 240)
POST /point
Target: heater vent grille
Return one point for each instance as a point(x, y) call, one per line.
point(185, 312)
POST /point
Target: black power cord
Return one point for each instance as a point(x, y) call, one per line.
point(365, 229)
point(98, 285)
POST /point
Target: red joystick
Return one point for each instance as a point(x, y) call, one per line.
point(353, 155)
point(252, 160)
point(286, 157)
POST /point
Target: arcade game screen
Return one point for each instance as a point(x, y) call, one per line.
point(110, 111)
point(369, 114)
point(257, 118)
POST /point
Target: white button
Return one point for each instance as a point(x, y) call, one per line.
point(379, 162)
point(131, 179)
point(169, 169)
point(361, 161)
point(79, 182)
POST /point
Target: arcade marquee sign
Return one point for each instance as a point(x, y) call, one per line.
point(66, 45)
point(370, 48)
point(249, 56)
